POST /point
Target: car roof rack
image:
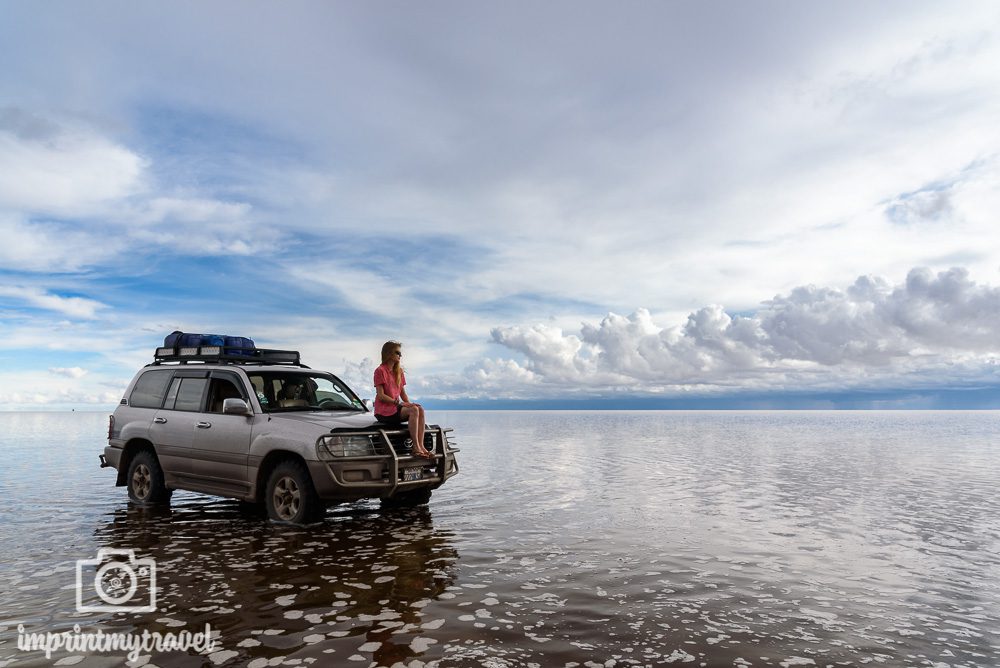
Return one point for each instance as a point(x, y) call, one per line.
point(226, 355)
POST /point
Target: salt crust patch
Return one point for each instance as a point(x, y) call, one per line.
point(432, 625)
point(370, 647)
point(293, 614)
point(313, 638)
point(169, 622)
point(678, 655)
point(221, 657)
point(285, 600)
point(797, 661)
point(257, 663)
point(383, 579)
point(70, 660)
point(420, 645)
point(248, 642)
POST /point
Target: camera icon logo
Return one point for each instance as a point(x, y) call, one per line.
point(123, 582)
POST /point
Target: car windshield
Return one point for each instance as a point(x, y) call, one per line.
point(280, 391)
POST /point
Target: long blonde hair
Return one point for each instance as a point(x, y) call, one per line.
point(389, 358)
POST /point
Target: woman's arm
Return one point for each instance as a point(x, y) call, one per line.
point(402, 395)
point(382, 396)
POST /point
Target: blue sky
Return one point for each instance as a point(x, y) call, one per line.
point(560, 205)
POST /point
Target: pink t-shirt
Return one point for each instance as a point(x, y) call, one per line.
point(385, 377)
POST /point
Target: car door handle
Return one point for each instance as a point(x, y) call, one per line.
point(204, 425)
point(159, 420)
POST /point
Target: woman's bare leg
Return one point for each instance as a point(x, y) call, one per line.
point(423, 424)
point(414, 416)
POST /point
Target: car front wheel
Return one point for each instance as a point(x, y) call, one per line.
point(291, 496)
point(145, 479)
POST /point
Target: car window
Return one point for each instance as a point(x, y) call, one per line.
point(189, 394)
point(219, 390)
point(149, 389)
point(278, 391)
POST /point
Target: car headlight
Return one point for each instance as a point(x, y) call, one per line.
point(330, 447)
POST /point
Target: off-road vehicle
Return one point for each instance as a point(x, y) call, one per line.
point(259, 426)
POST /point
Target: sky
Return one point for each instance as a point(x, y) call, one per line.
point(560, 204)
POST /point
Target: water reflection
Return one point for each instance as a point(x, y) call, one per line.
point(358, 580)
point(640, 539)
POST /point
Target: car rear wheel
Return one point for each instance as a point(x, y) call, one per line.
point(291, 496)
point(145, 479)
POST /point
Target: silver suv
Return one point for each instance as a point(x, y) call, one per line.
point(259, 426)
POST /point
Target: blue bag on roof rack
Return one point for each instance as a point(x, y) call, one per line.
point(239, 345)
point(233, 345)
point(172, 339)
point(185, 347)
point(179, 339)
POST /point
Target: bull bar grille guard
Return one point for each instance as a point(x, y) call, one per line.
point(377, 445)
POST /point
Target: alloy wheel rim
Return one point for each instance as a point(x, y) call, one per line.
point(286, 498)
point(141, 481)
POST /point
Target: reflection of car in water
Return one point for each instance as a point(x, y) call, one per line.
point(365, 574)
point(260, 427)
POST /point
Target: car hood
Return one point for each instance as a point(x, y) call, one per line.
point(329, 419)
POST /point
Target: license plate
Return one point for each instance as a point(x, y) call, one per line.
point(413, 473)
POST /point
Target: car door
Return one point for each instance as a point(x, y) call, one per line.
point(173, 426)
point(221, 443)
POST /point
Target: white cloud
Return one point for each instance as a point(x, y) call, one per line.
point(810, 337)
point(69, 372)
point(53, 247)
point(51, 168)
point(76, 307)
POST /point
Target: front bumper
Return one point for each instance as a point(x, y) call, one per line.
point(379, 469)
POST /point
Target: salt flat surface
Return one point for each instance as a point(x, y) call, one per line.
point(568, 539)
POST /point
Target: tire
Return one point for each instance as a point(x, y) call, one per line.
point(290, 495)
point(145, 480)
point(417, 497)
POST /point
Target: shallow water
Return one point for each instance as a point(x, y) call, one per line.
point(612, 539)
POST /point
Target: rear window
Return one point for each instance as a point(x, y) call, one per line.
point(186, 393)
point(149, 389)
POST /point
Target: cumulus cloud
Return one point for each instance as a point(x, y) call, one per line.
point(872, 330)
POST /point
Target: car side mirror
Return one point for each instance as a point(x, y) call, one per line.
point(367, 403)
point(235, 407)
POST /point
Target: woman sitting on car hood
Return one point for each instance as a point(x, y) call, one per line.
point(392, 406)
